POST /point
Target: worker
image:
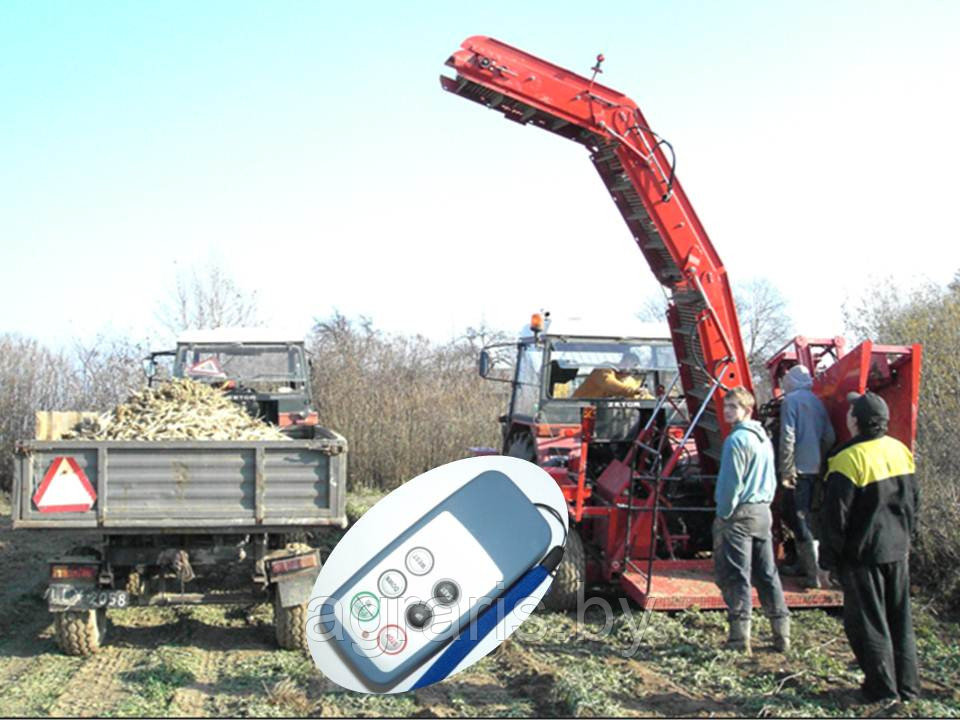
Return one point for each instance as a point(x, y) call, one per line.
point(805, 437)
point(618, 382)
point(742, 539)
point(867, 520)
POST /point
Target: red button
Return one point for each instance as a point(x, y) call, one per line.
point(392, 639)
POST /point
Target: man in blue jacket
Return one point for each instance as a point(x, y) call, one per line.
point(805, 437)
point(742, 540)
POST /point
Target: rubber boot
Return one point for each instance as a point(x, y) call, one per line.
point(738, 638)
point(781, 633)
point(807, 553)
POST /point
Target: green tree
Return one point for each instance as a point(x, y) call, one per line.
point(928, 314)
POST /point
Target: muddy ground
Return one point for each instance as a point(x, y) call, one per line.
point(210, 661)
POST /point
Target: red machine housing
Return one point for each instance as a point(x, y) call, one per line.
point(623, 514)
point(890, 371)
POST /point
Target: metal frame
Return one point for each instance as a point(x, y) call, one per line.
point(100, 520)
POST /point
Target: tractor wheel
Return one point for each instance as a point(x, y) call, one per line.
point(290, 624)
point(81, 632)
point(521, 446)
point(570, 576)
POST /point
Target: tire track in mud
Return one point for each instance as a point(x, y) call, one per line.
point(26, 634)
point(529, 678)
point(217, 660)
point(482, 691)
point(195, 698)
point(192, 699)
point(650, 692)
point(98, 686)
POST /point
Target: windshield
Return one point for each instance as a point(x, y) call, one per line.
point(243, 363)
point(585, 369)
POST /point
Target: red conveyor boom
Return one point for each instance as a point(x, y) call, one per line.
point(631, 161)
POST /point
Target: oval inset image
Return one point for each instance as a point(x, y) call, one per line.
point(436, 574)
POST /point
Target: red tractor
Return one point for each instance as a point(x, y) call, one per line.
point(638, 470)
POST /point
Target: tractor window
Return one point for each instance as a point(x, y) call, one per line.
point(584, 369)
point(527, 392)
point(266, 366)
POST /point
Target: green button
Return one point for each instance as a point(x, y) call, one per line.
point(365, 606)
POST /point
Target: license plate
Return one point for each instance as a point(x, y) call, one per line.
point(70, 597)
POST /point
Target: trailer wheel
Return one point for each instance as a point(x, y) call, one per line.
point(81, 632)
point(290, 624)
point(571, 573)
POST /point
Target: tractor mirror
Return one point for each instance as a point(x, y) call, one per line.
point(495, 365)
point(483, 365)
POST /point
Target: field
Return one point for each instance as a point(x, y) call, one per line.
point(221, 661)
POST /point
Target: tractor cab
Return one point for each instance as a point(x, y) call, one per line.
point(266, 372)
point(557, 367)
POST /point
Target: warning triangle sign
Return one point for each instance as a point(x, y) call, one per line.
point(65, 488)
point(208, 367)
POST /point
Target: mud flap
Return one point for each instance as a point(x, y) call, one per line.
point(295, 589)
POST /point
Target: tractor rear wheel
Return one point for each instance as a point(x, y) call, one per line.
point(80, 632)
point(571, 573)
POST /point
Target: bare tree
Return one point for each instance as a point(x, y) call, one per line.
point(654, 307)
point(474, 339)
point(406, 404)
point(954, 285)
point(764, 322)
point(207, 298)
point(762, 310)
point(105, 372)
point(32, 377)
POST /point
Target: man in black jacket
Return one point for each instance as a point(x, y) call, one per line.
point(868, 518)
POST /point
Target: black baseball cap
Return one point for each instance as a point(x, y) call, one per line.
point(868, 407)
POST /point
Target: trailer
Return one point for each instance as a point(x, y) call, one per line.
point(171, 522)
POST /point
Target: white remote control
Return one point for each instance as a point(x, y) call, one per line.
point(405, 604)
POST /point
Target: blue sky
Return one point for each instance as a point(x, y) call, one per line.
point(309, 150)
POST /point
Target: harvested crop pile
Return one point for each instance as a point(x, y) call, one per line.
point(178, 410)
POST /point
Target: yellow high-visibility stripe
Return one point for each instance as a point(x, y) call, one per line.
point(873, 460)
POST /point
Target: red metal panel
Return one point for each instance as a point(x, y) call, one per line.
point(891, 371)
point(681, 584)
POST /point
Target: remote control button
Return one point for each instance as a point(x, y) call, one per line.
point(418, 615)
point(365, 606)
point(419, 561)
point(392, 583)
point(392, 639)
point(447, 592)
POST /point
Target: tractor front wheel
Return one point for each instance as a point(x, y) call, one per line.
point(571, 573)
point(521, 446)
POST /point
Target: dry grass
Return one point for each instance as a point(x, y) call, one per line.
point(34, 377)
point(404, 404)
